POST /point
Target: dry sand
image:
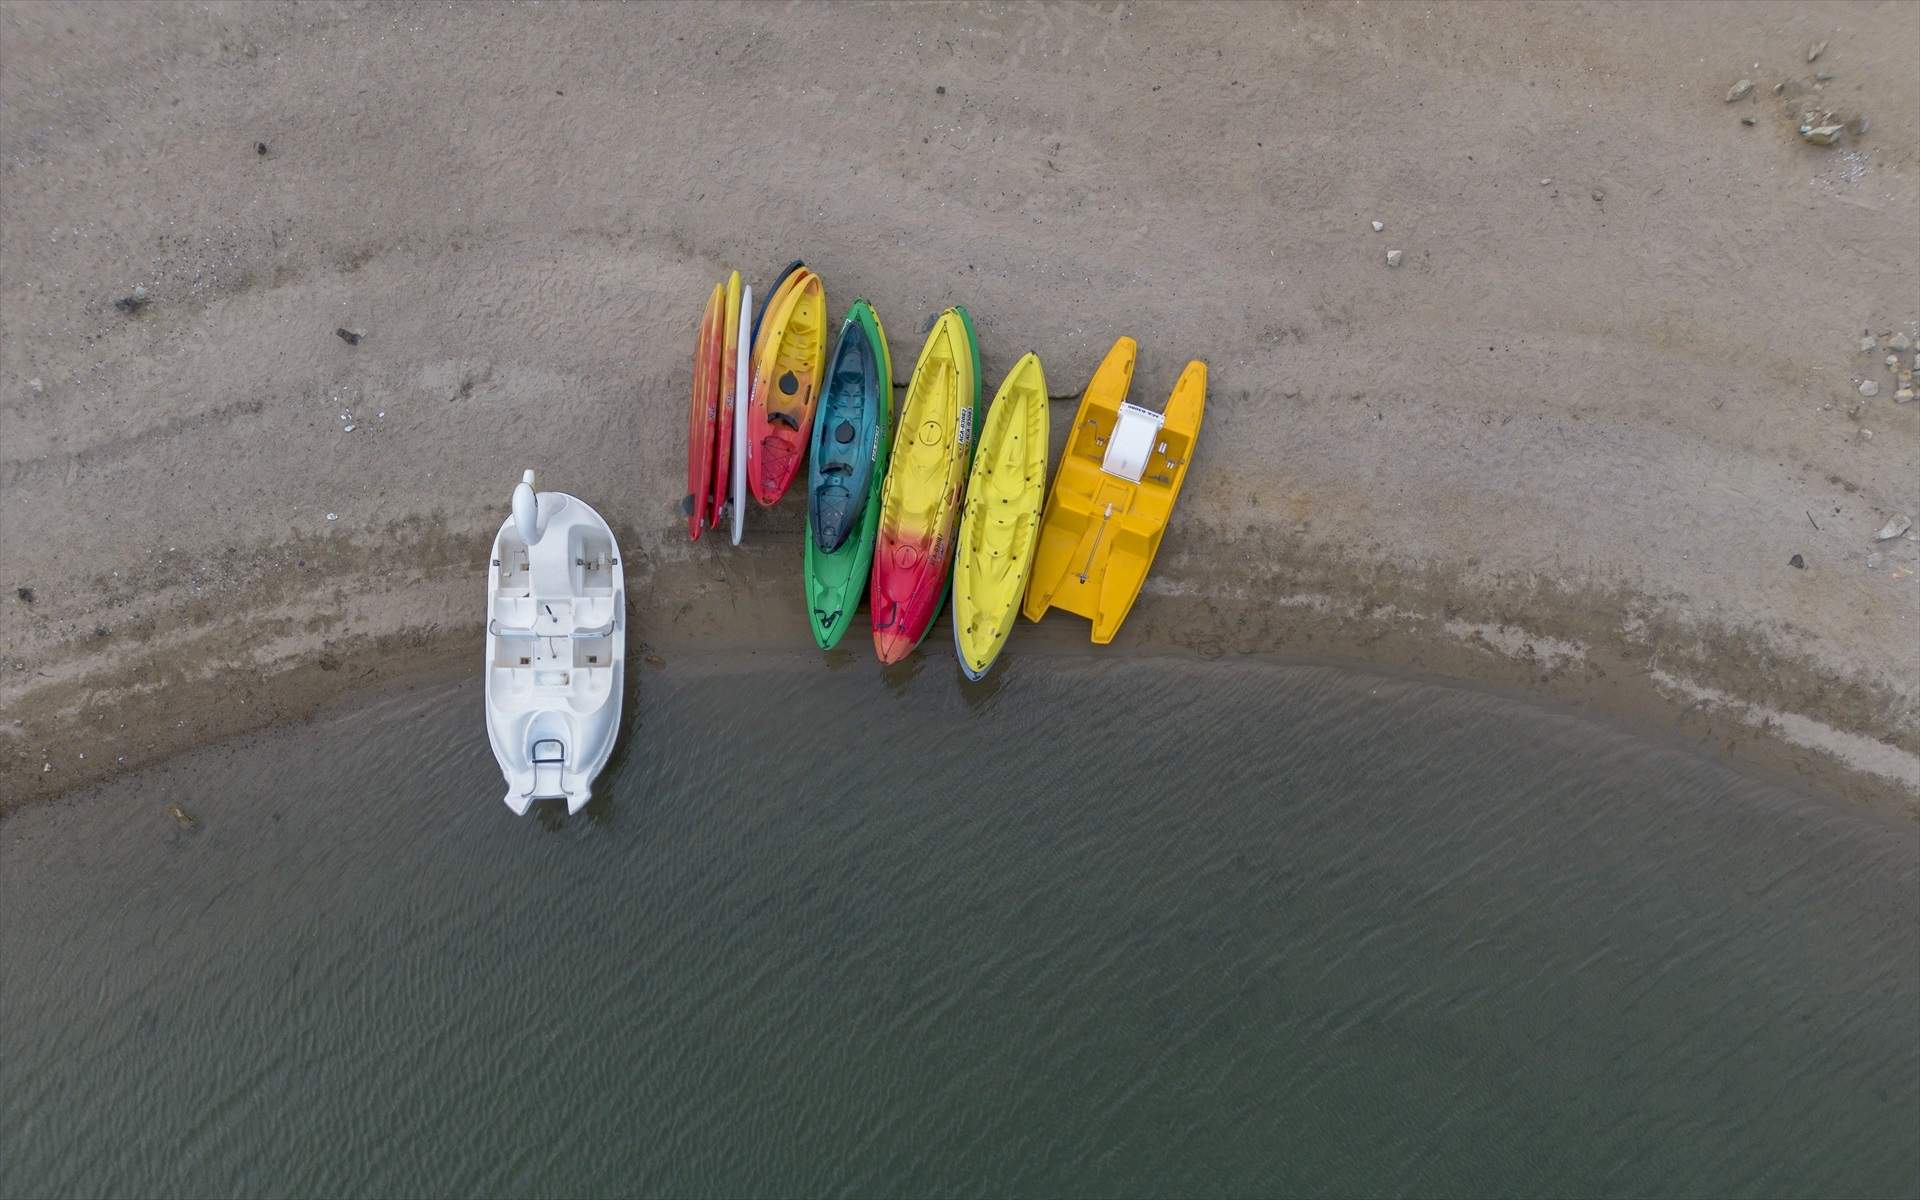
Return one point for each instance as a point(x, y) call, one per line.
point(1571, 444)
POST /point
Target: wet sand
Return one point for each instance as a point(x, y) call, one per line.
point(1572, 444)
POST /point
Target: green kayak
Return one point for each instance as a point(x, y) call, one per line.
point(836, 579)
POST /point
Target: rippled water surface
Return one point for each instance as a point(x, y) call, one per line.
point(1102, 927)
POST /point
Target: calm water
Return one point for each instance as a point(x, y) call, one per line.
point(1107, 928)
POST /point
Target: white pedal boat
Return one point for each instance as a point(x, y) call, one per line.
point(556, 647)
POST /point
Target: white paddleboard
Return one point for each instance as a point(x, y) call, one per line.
point(742, 386)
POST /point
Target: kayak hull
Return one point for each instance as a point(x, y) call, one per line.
point(703, 410)
point(786, 382)
point(728, 404)
point(1000, 523)
point(836, 579)
point(925, 485)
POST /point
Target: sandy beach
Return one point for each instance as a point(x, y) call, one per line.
point(1601, 435)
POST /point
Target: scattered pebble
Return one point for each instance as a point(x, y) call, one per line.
point(1893, 360)
point(333, 516)
point(1821, 135)
point(1797, 563)
point(36, 385)
point(1815, 50)
point(259, 147)
point(347, 429)
point(1866, 435)
point(1874, 561)
point(1903, 396)
point(1598, 195)
point(1858, 125)
point(1896, 525)
point(1740, 91)
point(1869, 389)
point(1393, 258)
point(25, 594)
point(1779, 87)
point(133, 303)
point(1545, 182)
point(1868, 345)
point(1822, 76)
point(1378, 226)
point(181, 816)
point(348, 336)
point(1900, 342)
point(1748, 121)
point(940, 91)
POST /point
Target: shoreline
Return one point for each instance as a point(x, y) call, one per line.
point(1651, 690)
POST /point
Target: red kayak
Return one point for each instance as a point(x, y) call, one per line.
point(723, 427)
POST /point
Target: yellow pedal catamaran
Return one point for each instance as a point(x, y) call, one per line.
point(1001, 522)
point(1113, 494)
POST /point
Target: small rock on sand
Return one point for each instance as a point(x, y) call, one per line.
point(1814, 51)
point(1821, 135)
point(1393, 258)
point(1869, 389)
point(182, 816)
point(1903, 396)
point(1740, 91)
point(1900, 342)
point(1868, 345)
point(1378, 226)
point(1797, 563)
point(1896, 525)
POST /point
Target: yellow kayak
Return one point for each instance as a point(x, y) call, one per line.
point(1001, 521)
point(1115, 489)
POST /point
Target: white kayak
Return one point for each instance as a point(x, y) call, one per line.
point(556, 647)
point(742, 367)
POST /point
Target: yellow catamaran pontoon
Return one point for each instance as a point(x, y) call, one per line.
point(1113, 494)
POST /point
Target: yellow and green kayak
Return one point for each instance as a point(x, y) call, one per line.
point(1001, 521)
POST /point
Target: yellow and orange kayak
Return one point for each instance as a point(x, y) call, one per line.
point(790, 354)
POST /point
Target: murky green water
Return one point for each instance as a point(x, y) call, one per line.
point(1107, 928)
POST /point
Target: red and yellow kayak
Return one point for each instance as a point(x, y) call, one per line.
point(703, 412)
point(723, 424)
point(790, 357)
point(926, 482)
